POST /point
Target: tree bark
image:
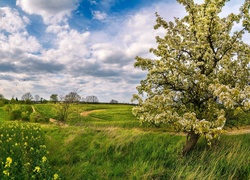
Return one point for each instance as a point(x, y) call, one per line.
point(191, 141)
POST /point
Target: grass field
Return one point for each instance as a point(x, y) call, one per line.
point(108, 142)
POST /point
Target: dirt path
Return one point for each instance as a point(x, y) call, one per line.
point(33, 108)
point(86, 113)
point(240, 130)
point(54, 121)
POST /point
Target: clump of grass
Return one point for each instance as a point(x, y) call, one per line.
point(23, 152)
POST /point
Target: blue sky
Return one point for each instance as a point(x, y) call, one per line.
point(59, 46)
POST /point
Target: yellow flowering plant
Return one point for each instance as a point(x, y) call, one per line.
point(23, 152)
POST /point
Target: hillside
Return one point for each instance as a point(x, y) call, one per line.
point(107, 142)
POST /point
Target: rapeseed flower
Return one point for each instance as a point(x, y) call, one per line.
point(37, 169)
point(44, 159)
point(56, 176)
point(6, 172)
point(8, 162)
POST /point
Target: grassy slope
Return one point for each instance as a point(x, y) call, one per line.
point(110, 144)
point(3, 115)
point(117, 153)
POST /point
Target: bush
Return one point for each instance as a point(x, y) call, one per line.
point(63, 111)
point(3, 102)
point(25, 116)
point(15, 114)
point(8, 108)
point(38, 117)
point(26, 108)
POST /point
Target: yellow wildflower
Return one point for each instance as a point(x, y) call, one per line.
point(56, 176)
point(6, 172)
point(37, 169)
point(27, 164)
point(8, 162)
point(44, 159)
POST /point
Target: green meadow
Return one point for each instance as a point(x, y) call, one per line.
point(105, 141)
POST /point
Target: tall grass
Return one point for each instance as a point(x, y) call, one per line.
point(118, 153)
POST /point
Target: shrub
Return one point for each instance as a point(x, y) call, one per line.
point(25, 116)
point(8, 108)
point(26, 108)
point(63, 111)
point(38, 117)
point(15, 114)
point(1, 103)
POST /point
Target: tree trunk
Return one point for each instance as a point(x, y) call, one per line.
point(191, 141)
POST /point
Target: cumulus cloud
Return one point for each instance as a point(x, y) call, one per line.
point(99, 15)
point(52, 11)
point(11, 21)
point(14, 38)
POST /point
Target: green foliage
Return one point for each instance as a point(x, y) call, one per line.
point(3, 114)
point(23, 153)
point(54, 98)
point(62, 111)
point(3, 102)
point(25, 116)
point(38, 117)
point(26, 108)
point(18, 112)
point(237, 117)
point(15, 114)
point(8, 108)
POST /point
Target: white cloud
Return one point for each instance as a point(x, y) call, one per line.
point(52, 11)
point(99, 15)
point(93, 2)
point(17, 40)
point(70, 47)
point(11, 21)
point(100, 62)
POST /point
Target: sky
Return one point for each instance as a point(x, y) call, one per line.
point(84, 46)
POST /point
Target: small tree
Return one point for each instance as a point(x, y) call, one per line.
point(63, 111)
point(37, 98)
point(1, 97)
point(72, 97)
point(3, 101)
point(92, 99)
point(113, 101)
point(54, 98)
point(27, 97)
point(201, 71)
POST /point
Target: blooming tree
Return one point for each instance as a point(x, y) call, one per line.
point(201, 70)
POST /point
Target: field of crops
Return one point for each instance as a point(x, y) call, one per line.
point(105, 141)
